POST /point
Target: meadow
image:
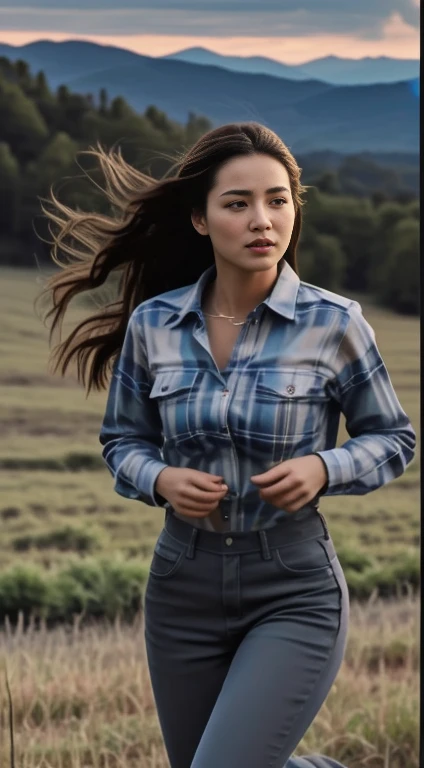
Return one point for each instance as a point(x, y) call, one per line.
point(81, 692)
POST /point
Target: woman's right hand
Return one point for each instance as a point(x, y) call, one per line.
point(190, 492)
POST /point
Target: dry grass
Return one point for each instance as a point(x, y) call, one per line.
point(82, 697)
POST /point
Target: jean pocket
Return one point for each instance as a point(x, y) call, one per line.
point(307, 556)
point(168, 556)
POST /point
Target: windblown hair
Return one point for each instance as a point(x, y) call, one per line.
point(150, 242)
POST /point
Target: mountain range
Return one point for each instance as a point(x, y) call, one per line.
point(331, 69)
point(309, 114)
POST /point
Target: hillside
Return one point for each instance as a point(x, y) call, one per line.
point(310, 114)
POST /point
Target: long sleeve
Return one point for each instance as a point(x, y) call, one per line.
point(382, 440)
point(131, 432)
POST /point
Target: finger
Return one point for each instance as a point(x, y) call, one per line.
point(205, 484)
point(289, 500)
point(207, 477)
point(271, 476)
point(285, 486)
point(290, 503)
point(201, 500)
point(193, 492)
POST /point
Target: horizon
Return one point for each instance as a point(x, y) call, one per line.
point(293, 33)
point(95, 40)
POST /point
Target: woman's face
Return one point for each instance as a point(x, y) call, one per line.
point(251, 200)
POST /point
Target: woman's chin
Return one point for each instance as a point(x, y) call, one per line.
point(256, 264)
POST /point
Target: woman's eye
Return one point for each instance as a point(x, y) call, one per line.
point(237, 203)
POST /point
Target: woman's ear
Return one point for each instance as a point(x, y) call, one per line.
point(199, 223)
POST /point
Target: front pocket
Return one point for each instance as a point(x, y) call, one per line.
point(168, 555)
point(290, 407)
point(174, 391)
point(307, 556)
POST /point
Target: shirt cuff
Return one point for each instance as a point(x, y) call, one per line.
point(324, 488)
point(146, 483)
point(340, 470)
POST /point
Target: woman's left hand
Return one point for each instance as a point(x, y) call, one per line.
point(292, 483)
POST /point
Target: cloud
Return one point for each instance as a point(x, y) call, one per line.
point(222, 18)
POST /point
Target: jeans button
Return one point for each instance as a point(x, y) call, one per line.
point(228, 541)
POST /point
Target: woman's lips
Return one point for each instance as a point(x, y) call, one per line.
point(260, 248)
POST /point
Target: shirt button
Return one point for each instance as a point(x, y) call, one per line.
point(225, 391)
point(229, 541)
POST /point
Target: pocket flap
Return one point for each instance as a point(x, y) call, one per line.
point(292, 384)
point(169, 382)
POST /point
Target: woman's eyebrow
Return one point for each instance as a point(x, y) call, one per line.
point(269, 191)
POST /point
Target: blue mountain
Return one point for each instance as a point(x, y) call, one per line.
point(309, 114)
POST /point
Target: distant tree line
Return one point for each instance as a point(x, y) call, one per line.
point(361, 221)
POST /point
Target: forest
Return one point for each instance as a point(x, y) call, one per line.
point(361, 219)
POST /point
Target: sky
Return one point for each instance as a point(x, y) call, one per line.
point(291, 31)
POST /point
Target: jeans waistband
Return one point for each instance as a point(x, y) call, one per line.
point(287, 531)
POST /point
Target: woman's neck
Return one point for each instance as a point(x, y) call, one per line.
point(237, 293)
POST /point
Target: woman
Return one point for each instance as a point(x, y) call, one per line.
point(229, 376)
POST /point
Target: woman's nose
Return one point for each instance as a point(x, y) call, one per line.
point(260, 220)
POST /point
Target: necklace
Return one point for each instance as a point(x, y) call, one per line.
point(230, 318)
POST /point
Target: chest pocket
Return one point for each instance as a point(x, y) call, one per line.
point(292, 405)
point(175, 393)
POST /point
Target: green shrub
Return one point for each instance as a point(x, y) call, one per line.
point(72, 462)
point(397, 578)
point(23, 589)
point(65, 539)
point(353, 559)
point(97, 589)
point(83, 461)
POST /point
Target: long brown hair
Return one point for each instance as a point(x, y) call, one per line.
point(150, 242)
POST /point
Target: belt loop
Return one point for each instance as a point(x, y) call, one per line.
point(192, 544)
point(266, 554)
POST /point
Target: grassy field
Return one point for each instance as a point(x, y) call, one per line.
point(80, 693)
point(83, 698)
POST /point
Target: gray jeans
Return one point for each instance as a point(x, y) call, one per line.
point(245, 634)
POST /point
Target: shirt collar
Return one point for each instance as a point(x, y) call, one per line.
point(282, 298)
